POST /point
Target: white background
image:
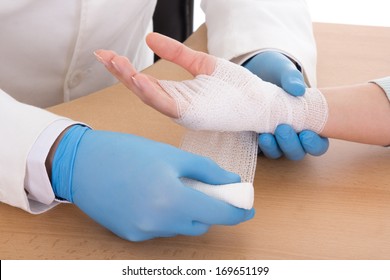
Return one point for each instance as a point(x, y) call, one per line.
point(358, 12)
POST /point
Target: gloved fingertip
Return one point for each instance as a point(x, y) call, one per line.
point(269, 147)
point(266, 140)
point(292, 81)
point(207, 171)
point(250, 214)
point(307, 136)
point(294, 86)
point(313, 144)
point(198, 228)
point(297, 156)
point(289, 142)
point(221, 178)
point(233, 177)
point(284, 131)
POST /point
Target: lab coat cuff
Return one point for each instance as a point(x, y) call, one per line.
point(37, 182)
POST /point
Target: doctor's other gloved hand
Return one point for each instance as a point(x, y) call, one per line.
point(276, 68)
point(131, 185)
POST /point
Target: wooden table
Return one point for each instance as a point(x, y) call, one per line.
point(332, 207)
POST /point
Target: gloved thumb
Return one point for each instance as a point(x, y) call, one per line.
point(292, 81)
point(207, 171)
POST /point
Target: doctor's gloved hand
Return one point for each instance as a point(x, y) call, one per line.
point(131, 185)
point(276, 68)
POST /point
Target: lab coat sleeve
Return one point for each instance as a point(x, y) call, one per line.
point(20, 127)
point(239, 27)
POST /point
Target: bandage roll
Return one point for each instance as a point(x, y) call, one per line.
point(233, 151)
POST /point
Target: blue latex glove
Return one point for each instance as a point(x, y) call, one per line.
point(131, 185)
point(276, 68)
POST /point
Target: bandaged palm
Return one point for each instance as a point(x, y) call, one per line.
point(222, 96)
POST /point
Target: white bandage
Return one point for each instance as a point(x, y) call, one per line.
point(237, 105)
point(233, 151)
point(234, 99)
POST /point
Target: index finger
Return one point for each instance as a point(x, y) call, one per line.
point(193, 61)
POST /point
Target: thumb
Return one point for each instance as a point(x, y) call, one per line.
point(193, 61)
point(292, 81)
point(205, 170)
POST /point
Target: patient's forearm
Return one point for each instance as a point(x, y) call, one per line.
point(358, 113)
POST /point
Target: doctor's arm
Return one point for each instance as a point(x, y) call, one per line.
point(128, 184)
point(275, 42)
point(131, 185)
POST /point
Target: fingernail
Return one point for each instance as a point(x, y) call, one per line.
point(100, 59)
point(250, 214)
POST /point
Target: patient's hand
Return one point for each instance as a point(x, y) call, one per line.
point(223, 96)
point(147, 87)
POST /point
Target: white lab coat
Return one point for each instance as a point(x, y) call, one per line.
point(47, 58)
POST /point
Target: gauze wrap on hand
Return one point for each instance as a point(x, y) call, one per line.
point(234, 99)
point(226, 110)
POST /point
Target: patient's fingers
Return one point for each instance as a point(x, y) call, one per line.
point(153, 95)
point(119, 66)
point(145, 87)
point(193, 61)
